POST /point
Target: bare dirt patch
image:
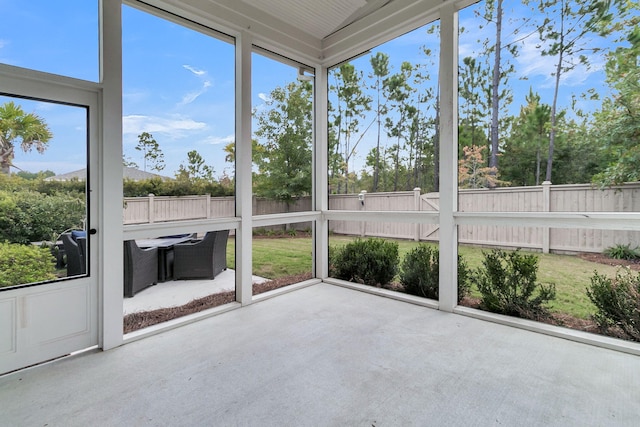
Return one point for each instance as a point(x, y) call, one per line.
point(143, 319)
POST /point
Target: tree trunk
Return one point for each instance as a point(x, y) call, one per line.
point(552, 132)
point(495, 93)
point(376, 168)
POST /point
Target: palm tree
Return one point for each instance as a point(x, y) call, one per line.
point(17, 126)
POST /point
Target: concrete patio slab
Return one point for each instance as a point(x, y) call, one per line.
point(179, 292)
point(329, 356)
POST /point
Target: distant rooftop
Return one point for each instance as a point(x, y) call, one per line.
point(128, 173)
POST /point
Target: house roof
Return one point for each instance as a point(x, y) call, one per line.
point(128, 173)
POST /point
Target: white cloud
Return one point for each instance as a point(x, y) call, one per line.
point(215, 140)
point(135, 96)
point(192, 96)
point(264, 97)
point(3, 43)
point(177, 127)
point(532, 64)
point(195, 70)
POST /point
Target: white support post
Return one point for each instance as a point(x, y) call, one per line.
point(244, 190)
point(448, 287)
point(321, 176)
point(110, 274)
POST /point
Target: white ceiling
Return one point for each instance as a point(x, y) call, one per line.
point(319, 18)
point(318, 31)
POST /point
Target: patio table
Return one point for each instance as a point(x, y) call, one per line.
point(165, 253)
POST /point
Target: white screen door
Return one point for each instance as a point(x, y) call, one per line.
point(49, 288)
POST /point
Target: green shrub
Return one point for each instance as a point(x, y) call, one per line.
point(617, 303)
point(28, 216)
point(20, 264)
point(507, 282)
point(419, 273)
point(369, 261)
point(622, 252)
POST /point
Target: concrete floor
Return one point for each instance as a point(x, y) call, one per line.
point(329, 356)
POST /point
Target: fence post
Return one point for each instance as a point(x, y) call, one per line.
point(208, 206)
point(152, 216)
point(363, 207)
point(416, 207)
point(546, 207)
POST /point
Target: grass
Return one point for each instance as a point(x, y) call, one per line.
point(278, 257)
point(274, 258)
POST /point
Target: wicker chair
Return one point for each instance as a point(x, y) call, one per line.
point(75, 249)
point(203, 259)
point(140, 268)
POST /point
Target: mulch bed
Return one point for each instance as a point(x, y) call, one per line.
point(556, 319)
point(633, 264)
point(143, 319)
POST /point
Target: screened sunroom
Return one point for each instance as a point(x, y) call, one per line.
point(355, 166)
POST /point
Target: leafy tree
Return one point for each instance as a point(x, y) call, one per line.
point(128, 162)
point(399, 93)
point(352, 103)
point(284, 137)
point(530, 134)
point(473, 174)
point(424, 140)
point(38, 175)
point(500, 70)
point(150, 152)
point(195, 171)
point(564, 35)
point(495, 86)
point(617, 123)
point(27, 129)
point(473, 79)
point(380, 66)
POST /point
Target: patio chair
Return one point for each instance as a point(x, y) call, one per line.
point(140, 268)
point(202, 259)
point(75, 249)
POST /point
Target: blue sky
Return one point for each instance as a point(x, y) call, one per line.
point(179, 83)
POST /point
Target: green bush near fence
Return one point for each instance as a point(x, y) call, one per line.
point(420, 273)
point(369, 261)
point(617, 302)
point(21, 264)
point(621, 251)
point(508, 284)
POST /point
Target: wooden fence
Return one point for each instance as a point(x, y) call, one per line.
point(152, 209)
point(544, 198)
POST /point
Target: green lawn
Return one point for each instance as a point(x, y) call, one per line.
point(277, 257)
point(273, 258)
